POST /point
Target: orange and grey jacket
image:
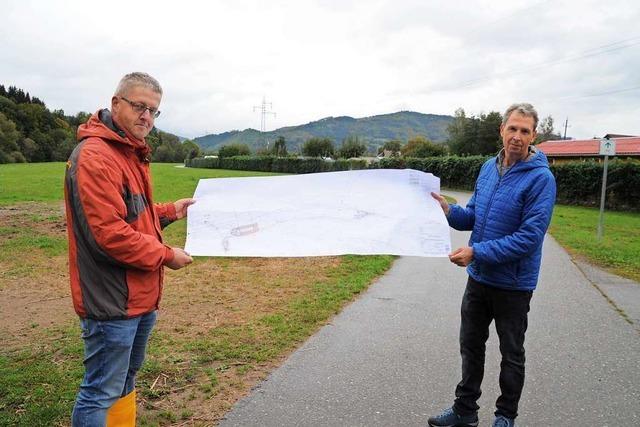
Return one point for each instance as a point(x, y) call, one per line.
point(116, 252)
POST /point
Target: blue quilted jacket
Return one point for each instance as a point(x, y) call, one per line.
point(509, 216)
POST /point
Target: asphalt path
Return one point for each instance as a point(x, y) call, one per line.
point(391, 358)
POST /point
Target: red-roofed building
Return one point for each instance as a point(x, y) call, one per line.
point(588, 149)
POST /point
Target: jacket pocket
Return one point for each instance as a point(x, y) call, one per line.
point(135, 203)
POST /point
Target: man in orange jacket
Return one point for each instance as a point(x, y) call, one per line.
point(116, 253)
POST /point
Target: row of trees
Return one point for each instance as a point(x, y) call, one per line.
point(30, 132)
point(19, 96)
point(352, 147)
point(468, 136)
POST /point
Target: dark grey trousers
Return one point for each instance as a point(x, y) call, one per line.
point(482, 304)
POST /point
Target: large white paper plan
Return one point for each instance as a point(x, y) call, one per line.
point(380, 211)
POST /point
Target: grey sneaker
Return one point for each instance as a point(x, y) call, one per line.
point(448, 418)
point(502, 421)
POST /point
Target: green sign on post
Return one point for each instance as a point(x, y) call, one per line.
point(607, 148)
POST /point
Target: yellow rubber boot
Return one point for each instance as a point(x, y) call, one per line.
point(123, 412)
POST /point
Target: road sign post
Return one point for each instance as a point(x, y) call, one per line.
point(607, 148)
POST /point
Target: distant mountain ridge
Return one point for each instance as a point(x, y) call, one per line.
point(373, 130)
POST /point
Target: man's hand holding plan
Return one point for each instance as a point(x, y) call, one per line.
point(365, 212)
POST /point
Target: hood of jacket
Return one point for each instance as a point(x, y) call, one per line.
point(101, 125)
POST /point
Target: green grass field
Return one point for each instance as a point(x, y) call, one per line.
point(225, 322)
point(43, 182)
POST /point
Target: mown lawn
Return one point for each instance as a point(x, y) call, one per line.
point(44, 181)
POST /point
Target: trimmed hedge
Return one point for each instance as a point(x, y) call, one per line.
point(453, 171)
point(579, 183)
point(276, 164)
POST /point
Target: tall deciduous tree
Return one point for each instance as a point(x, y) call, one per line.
point(546, 131)
point(28, 148)
point(190, 149)
point(318, 147)
point(456, 132)
point(352, 146)
point(394, 146)
point(488, 139)
point(474, 135)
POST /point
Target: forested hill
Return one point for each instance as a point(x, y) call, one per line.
point(30, 132)
point(374, 130)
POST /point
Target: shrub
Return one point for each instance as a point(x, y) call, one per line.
point(580, 183)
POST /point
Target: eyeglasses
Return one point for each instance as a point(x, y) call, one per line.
point(141, 108)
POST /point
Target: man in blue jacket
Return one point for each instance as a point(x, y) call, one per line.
point(508, 214)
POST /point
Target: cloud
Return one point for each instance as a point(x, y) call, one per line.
point(312, 59)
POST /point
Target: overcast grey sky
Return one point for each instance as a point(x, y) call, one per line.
point(319, 58)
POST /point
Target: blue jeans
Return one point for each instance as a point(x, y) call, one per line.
point(113, 353)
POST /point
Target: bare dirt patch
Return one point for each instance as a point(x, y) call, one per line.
point(34, 289)
point(180, 387)
point(44, 217)
point(216, 293)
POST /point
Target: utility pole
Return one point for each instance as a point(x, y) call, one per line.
point(263, 117)
point(566, 122)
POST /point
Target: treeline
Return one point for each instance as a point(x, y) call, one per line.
point(467, 136)
point(30, 132)
point(167, 148)
point(480, 135)
point(351, 147)
point(19, 96)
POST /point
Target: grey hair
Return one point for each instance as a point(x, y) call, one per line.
point(137, 79)
point(523, 108)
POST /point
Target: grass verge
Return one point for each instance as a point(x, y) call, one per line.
point(618, 251)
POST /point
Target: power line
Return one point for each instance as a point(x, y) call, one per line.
point(584, 54)
point(612, 91)
point(589, 95)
